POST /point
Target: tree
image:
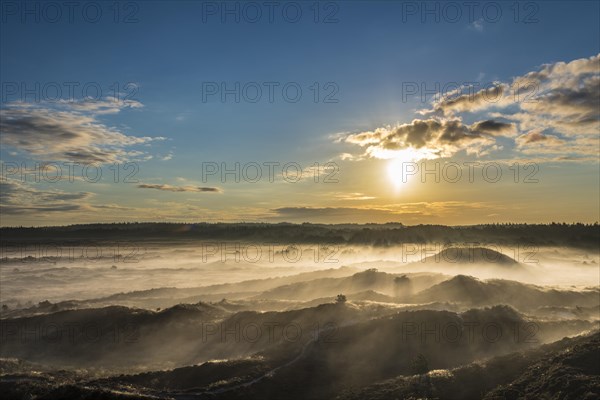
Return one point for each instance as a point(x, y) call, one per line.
point(402, 287)
point(420, 365)
point(340, 299)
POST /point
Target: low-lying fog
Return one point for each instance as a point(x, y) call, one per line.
point(33, 274)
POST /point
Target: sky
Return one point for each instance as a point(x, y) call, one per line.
point(450, 113)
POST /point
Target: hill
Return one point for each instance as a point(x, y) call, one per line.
point(472, 291)
point(566, 369)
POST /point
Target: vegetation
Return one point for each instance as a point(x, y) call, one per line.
point(340, 299)
point(420, 365)
point(554, 234)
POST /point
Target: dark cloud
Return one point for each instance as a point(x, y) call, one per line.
point(537, 137)
point(334, 214)
point(431, 138)
point(20, 210)
point(533, 137)
point(577, 106)
point(387, 213)
point(170, 188)
point(495, 128)
point(469, 101)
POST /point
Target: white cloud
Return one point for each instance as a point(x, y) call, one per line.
point(553, 110)
point(70, 131)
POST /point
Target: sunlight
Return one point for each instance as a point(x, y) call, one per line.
point(399, 168)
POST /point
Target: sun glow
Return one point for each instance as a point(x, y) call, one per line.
point(402, 166)
point(396, 172)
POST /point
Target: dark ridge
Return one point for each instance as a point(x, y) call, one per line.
point(555, 234)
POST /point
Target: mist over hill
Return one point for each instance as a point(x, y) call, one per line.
point(377, 318)
point(472, 255)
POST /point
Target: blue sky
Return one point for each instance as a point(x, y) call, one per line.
point(365, 55)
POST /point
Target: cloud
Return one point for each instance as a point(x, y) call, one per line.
point(334, 214)
point(537, 136)
point(70, 131)
point(425, 138)
point(458, 101)
point(386, 213)
point(188, 188)
point(346, 156)
point(494, 128)
point(18, 197)
point(582, 148)
point(562, 96)
point(553, 109)
point(167, 157)
point(570, 111)
point(353, 196)
point(109, 105)
point(477, 25)
point(22, 201)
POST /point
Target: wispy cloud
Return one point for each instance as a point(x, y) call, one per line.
point(187, 188)
point(353, 196)
point(477, 25)
point(70, 131)
point(384, 213)
point(18, 198)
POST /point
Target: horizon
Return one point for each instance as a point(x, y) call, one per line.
point(553, 223)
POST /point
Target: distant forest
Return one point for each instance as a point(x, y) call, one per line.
point(381, 235)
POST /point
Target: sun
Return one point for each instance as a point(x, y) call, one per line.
point(401, 166)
